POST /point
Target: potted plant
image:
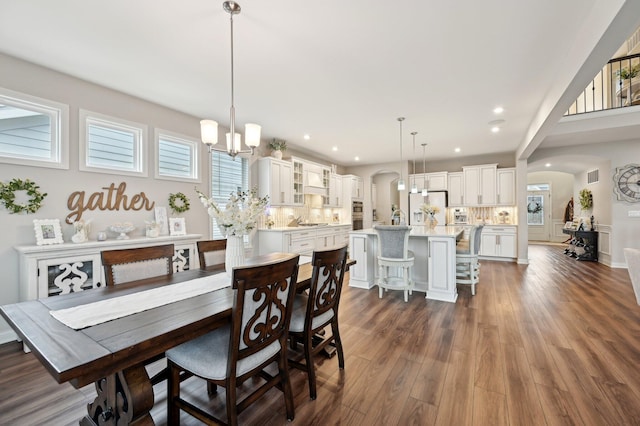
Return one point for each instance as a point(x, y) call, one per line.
point(277, 147)
point(629, 74)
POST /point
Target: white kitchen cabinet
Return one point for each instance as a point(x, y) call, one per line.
point(67, 268)
point(480, 185)
point(298, 182)
point(456, 189)
point(441, 269)
point(303, 240)
point(362, 249)
point(335, 191)
point(276, 181)
point(499, 242)
point(506, 187)
point(353, 186)
point(435, 181)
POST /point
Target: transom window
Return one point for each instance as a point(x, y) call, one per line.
point(33, 131)
point(112, 145)
point(177, 157)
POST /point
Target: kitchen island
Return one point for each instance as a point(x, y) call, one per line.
point(434, 270)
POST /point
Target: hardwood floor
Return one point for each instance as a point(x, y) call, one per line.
point(554, 342)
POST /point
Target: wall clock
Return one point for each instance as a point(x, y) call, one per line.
point(626, 183)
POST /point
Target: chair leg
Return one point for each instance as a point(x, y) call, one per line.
point(336, 338)
point(311, 373)
point(286, 386)
point(173, 393)
point(232, 409)
point(212, 388)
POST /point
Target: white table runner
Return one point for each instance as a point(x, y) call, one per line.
point(109, 309)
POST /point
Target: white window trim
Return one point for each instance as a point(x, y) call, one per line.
point(141, 150)
point(182, 139)
point(59, 114)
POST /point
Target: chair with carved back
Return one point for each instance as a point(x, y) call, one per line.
point(121, 266)
point(255, 338)
point(312, 313)
point(211, 254)
point(467, 265)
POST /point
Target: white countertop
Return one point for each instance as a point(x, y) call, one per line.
point(423, 231)
point(304, 228)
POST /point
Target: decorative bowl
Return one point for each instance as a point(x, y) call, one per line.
point(123, 229)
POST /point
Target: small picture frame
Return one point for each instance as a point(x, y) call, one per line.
point(48, 231)
point(161, 220)
point(177, 226)
point(568, 225)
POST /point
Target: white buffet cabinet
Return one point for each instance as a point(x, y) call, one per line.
point(434, 270)
point(49, 270)
point(302, 240)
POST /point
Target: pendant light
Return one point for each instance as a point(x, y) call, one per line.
point(414, 187)
point(424, 171)
point(401, 181)
point(209, 128)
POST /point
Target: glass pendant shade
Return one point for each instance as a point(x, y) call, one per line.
point(425, 192)
point(401, 185)
point(414, 188)
point(252, 135)
point(209, 132)
point(236, 142)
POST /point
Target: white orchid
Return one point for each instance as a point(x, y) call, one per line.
point(240, 215)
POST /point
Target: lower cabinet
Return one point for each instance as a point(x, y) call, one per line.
point(302, 241)
point(362, 249)
point(67, 268)
point(499, 242)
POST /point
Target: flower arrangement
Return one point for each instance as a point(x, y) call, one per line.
point(240, 215)
point(429, 209)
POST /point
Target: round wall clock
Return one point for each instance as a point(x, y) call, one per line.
point(626, 183)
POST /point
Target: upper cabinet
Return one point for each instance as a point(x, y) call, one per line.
point(335, 191)
point(506, 187)
point(275, 181)
point(435, 181)
point(480, 185)
point(353, 186)
point(298, 182)
point(456, 189)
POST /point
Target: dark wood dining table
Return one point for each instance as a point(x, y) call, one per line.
point(112, 354)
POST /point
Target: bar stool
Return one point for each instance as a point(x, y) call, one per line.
point(395, 260)
point(467, 265)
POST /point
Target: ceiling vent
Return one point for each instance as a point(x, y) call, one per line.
point(593, 176)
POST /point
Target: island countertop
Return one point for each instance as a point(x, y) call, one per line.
point(423, 231)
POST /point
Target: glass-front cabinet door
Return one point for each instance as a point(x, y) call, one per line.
point(68, 275)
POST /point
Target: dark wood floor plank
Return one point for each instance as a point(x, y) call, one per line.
point(555, 342)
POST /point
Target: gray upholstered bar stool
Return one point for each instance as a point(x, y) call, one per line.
point(395, 260)
point(467, 265)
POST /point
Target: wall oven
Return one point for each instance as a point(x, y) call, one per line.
point(357, 215)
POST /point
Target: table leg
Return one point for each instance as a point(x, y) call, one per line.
point(123, 398)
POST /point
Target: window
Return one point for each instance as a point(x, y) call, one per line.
point(33, 131)
point(227, 176)
point(176, 157)
point(112, 145)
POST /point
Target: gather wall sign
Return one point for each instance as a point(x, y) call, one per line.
point(110, 198)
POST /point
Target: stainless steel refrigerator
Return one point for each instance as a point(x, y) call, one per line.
point(434, 198)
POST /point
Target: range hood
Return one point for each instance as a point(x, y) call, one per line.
point(313, 184)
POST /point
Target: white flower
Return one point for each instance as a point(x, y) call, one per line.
point(241, 213)
point(429, 209)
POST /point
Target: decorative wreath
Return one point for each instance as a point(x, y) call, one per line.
point(8, 196)
point(533, 207)
point(586, 199)
point(183, 204)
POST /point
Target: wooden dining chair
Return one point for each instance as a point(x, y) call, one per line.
point(312, 313)
point(211, 254)
point(121, 266)
point(256, 338)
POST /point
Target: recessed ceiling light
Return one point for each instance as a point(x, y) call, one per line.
point(307, 137)
point(498, 110)
point(357, 158)
point(335, 148)
point(495, 129)
point(457, 150)
point(548, 165)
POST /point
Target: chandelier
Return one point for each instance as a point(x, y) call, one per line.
point(209, 128)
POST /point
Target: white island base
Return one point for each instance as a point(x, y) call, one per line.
point(434, 270)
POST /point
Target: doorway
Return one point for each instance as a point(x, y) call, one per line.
point(539, 212)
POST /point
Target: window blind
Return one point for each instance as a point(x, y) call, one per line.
point(228, 175)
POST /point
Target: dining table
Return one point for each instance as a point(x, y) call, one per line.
point(111, 354)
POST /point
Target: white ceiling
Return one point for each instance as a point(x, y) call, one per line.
point(339, 71)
